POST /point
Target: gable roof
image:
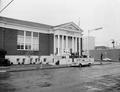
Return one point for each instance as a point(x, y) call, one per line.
point(69, 25)
point(26, 23)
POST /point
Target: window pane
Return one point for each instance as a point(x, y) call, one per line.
point(22, 47)
point(35, 34)
point(21, 33)
point(20, 39)
point(28, 33)
point(28, 46)
point(35, 47)
point(18, 46)
point(35, 40)
point(28, 40)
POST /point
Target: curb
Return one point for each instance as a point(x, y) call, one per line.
point(28, 68)
point(36, 67)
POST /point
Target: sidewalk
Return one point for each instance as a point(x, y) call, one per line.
point(101, 63)
point(18, 68)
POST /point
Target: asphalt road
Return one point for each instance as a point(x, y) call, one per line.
point(97, 78)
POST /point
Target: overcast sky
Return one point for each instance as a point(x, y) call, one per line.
point(91, 13)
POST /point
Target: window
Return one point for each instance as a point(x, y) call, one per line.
point(35, 41)
point(20, 40)
point(27, 40)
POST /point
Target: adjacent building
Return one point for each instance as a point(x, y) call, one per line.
point(88, 44)
point(22, 39)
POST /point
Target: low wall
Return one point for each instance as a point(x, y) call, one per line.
point(113, 54)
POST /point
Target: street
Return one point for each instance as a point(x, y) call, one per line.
point(97, 78)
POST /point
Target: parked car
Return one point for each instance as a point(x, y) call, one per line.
point(82, 61)
point(107, 59)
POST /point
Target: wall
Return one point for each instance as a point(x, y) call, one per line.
point(51, 43)
point(8, 41)
point(113, 54)
point(1, 37)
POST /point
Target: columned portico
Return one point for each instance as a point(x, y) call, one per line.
point(61, 43)
point(67, 39)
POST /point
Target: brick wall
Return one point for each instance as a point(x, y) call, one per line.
point(51, 43)
point(44, 44)
point(113, 54)
point(8, 41)
point(1, 37)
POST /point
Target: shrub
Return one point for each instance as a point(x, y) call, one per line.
point(3, 53)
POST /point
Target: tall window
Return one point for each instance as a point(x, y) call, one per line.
point(20, 40)
point(35, 41)
point(27, 40)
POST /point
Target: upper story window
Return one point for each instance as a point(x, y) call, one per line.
point(27, 40)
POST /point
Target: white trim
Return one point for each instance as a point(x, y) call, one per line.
point(80, 46)
point(58, 44)
point(24, 39)
point(54, 44)
point(66, 42)
point(62, 44)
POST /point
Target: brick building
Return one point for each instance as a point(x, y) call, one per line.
point(24, 38)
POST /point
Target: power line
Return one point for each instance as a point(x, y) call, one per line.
point(6, 6)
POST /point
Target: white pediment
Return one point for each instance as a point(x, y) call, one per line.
point(69, 26)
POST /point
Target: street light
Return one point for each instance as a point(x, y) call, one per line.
point(88, 38)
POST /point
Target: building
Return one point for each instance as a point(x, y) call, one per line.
point(23, 39)
point(108, 54)
point(101, 48)
point(88, 43)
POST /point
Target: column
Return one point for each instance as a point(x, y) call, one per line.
point(62, 44)
point(66, 42)
point(72, 44)
point(31, 40)
point(54, 44)
point(79, 46)
point(75, 44)
point(24, 39)
point(58, 44)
